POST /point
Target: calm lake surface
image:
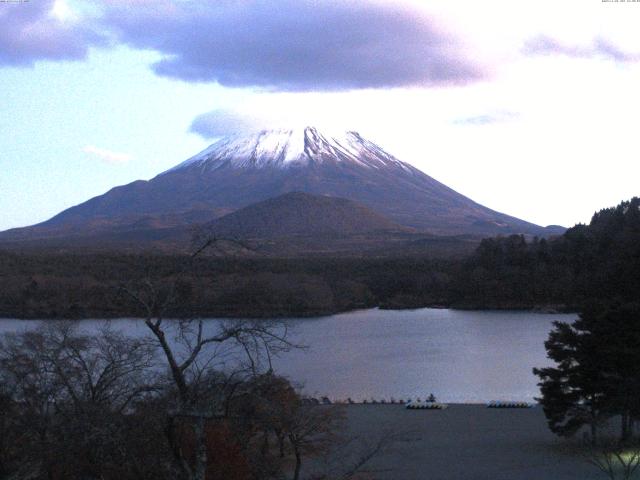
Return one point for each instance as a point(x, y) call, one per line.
point(459, 356)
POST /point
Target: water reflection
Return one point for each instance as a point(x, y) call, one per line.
point(460, 356)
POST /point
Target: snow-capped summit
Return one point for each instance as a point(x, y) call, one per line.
point(283, 148)
point(245, 169)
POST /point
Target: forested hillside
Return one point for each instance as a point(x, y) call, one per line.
point(78, 286)
point(589, 262)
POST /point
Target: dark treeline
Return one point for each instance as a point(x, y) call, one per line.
point(77, 286)
point(596, 379)
point(599, 260)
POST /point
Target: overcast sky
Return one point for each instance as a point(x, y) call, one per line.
point(530, 108)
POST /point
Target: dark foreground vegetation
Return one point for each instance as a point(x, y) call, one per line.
point(596, 377)
point(166, 405)
point(599, 260)
point(184, 402)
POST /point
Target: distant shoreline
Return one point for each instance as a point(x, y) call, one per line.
point(552, 310)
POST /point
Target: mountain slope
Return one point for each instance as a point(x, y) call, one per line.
point(238, 171)
point(302, 214)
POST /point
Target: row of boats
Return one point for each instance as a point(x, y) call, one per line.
point(426, 405)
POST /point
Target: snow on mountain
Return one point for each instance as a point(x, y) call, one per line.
point(241, 170)
point(285, 148)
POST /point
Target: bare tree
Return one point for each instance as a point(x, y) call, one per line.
point(70, 392)
point(107, 368)
point(311, 431)
point(350, 457)
point(8, 430)
point(193, 347)
point(95, 407)
point(617, 460)
point(35, 387)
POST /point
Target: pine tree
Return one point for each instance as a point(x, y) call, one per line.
point(597, 374)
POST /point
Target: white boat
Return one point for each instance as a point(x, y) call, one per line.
point(415, 405)
point(509, 404)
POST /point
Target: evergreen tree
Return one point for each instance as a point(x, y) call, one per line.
point(597, 374)
point(572, 392)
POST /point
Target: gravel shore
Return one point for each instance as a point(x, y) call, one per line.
point(468, 442)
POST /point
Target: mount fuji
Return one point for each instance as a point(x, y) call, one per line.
point(241, 170)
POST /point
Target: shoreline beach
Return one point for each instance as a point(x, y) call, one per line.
point(467, 441)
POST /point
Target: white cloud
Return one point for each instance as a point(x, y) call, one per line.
point(107, 156)
point(63, 12)
point(550, 139)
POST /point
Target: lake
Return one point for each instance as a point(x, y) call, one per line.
point(459, 356)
